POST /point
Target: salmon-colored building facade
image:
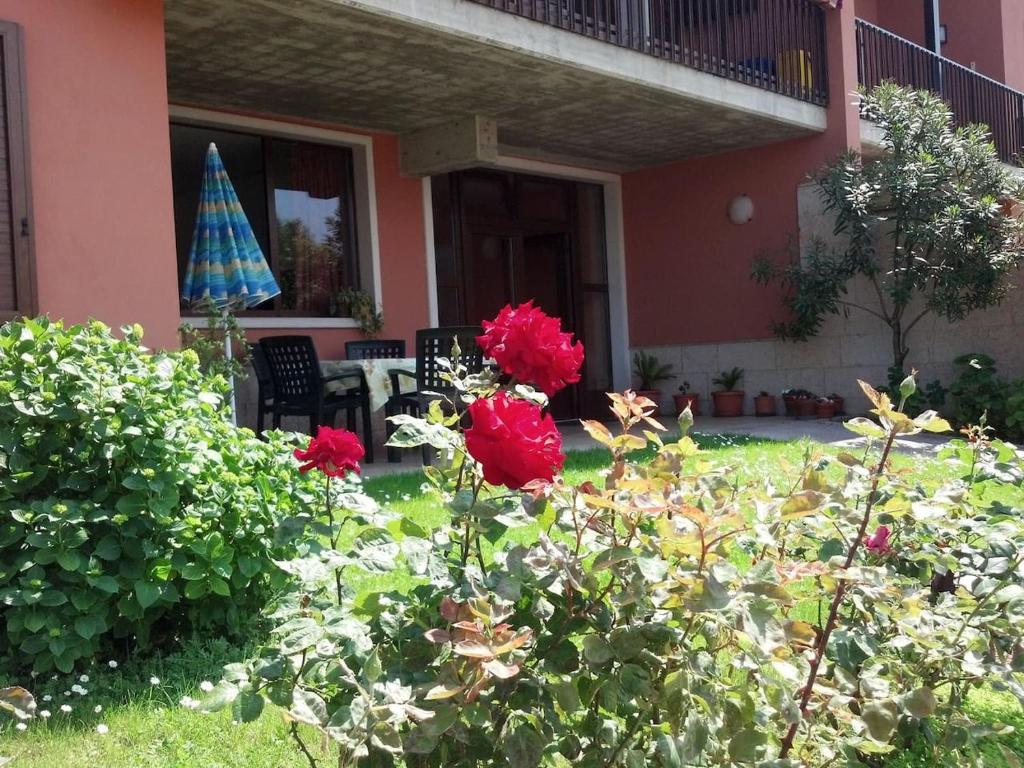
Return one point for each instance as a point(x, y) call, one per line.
point(448, 157)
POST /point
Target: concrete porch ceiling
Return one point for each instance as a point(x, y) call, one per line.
point(403, 65)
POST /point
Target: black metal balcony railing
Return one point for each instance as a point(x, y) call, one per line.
point(777, 45)
point(973, 98)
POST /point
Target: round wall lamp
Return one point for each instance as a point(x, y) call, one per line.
point(741, 209)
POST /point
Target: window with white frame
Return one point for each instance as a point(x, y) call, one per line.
point(300, 199)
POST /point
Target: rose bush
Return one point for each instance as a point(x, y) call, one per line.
point(667, 615)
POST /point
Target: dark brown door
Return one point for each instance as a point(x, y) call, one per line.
point(514, 267)
point(504, 238)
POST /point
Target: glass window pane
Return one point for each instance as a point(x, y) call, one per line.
point(242, 156)
point(314, 215)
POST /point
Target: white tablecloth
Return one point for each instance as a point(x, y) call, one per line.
point(376, 372)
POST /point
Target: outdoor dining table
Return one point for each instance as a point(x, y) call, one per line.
point(376, 372)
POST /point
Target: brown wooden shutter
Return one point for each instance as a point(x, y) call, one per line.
point(17, 284)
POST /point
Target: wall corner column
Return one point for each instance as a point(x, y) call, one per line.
point(843, 130)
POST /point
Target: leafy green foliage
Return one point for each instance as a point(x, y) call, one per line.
point(208, 343)
point(927, 225)
point(663, 616)
point(130, 509)
point(649, 370)
point(360, 307)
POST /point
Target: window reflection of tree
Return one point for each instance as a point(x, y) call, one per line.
point(313, 270)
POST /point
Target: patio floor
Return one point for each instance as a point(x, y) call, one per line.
point(825, 431)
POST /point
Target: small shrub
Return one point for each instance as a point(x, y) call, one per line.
point(130, 508)
point(978, 391)
point(650, 371)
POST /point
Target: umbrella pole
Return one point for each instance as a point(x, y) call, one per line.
point(231, 376)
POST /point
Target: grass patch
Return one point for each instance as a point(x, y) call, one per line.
point(148, 728)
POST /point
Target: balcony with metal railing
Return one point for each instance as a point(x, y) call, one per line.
point(972, 97)
point(775, 45)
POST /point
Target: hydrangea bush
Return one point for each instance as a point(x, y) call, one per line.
point(662, 616)
point(131, 509)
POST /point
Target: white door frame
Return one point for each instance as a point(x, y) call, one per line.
point(615, 250)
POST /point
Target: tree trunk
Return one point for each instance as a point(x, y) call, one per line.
point(899, 348)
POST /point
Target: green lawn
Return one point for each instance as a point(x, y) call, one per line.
point(146, 728)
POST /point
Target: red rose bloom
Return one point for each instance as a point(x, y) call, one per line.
point(335, 452)
point(531, 346)
point(513, 442)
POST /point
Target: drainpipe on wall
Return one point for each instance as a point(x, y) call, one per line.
point(931, 26)
point(932, 35)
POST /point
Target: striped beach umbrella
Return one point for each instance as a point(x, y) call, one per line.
point(226, 267)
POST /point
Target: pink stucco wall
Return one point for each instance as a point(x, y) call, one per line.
point(100, 163)
point(687, 265)
point(901, 17)
point(975, 35)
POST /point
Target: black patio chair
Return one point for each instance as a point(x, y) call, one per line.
point(264, 383)
point(300, 387)
point(375, 349)
point(432, 344)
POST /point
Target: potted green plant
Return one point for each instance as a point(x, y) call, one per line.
point(687, 398)
point(728, 399)
point(764, 404)
point(800, 403)
point(649, 371)
point(359, 305)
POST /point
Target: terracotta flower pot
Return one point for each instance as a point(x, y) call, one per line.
point(804, 408)
point(653, 395)
point(825, 409)
point(840, 404)
point(728, 403)
point(691, 399)
point(764, 405)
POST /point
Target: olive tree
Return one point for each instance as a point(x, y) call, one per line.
point(931, 224)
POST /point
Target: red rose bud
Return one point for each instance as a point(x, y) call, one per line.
point(531, 346)
point(878, 542)
point(335, 452)
point(513, 442)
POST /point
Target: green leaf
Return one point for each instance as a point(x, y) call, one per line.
point(921, 703)
point(376, 550)
point(103, 583)
point(247, 707)
point(108, 548)
point(147, 593)
point(865, 428)
point(612, 557)
point(69, 560)
point(746, 746)
point(881, 718)
point(668, 751)
point(223, 694)
point(307, 707)
point(523, 747)
point(306, 636)
point(597, 650)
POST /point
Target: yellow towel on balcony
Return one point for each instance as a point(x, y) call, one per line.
point(795, 68)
